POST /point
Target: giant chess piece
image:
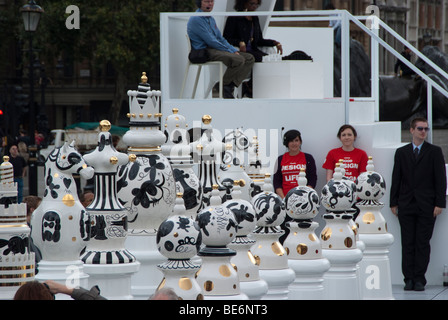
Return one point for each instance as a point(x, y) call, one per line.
point(207, 153)
point(244, 261)
point(60, 225)
point(109, 264)
point(302, 245)
point(338, 239)
point(217, 277)
point(375, 273)
point(17, 261)
point(177, 150)
point(146, 186)
point(254, 170)
point(274, 268)
point(179, 239)
point(233, 167)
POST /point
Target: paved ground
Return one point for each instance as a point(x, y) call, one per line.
point(430, 293)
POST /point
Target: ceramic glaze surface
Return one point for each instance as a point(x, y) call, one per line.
point(60, 226)
point(301, 202)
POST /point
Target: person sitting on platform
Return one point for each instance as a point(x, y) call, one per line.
point(204, 34)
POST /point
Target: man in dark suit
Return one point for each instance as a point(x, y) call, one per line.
point(417, 196)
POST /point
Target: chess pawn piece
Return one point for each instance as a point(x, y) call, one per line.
point(17, 261)
point(302, 245)
point(339, 240)
point(177, 150)
point(268, 250)
point(244, 261)
point(233, 167)
point(60, 225)
point(217, 277)
point(179, 239)
point(109, 264)
point(375, 273)
point(145, 186)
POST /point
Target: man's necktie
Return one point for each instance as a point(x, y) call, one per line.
point(416, 153)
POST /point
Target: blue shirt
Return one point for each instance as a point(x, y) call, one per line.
point(204, 32)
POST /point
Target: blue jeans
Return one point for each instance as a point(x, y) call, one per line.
point(19, 182)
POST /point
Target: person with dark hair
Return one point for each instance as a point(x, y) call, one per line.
point(404, 71)
point(204, 34)
point(20, 170)
point(78, 293)
point(245, 32)
point(289, 165)
point(354, 159)
point(33, 290)
point(417, 197)
point(288, 168)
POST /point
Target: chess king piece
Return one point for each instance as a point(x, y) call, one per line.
point(375, 273)
point(233, 167)
point(109, 264)
point(339, 240)
point(207, 153)
point(60, 225)
point(302, 245)
point(17, 261)
point(179, 239)
point(244, 261)
point(273, 259)
point(177, 150)
point(146, 186)
point(217, 277)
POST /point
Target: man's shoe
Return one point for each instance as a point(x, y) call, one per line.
point(419, 286)
point(408, 285)
point(228, 91)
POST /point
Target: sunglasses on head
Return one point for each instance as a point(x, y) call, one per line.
point(423, 129)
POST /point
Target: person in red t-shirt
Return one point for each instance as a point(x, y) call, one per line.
point(354, 159)
point(290, 163)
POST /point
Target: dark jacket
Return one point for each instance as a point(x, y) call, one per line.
point(310, 172)
point(423, 178)
point(238, 29)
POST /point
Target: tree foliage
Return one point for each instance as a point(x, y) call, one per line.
point(124, 34)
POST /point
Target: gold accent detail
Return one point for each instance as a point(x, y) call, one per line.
point(302, 249)
point(128, 115)
point(5, 159)
point(113, 160)
point(252, 258)
point(326, 234)
point(247, 275)
point(175, 234)
point(287, 250)
point(141, 115)
point(278, 249)
point(215, 187)
point(312, 237)
point(185, 283)
point(158, 115)
point(224, 270)
point(56, 175)
point(149, 115)
point(131, 149)
point(348, 242)
point(175, 110)
point(206, 119)
point(132, 157)
point(70, 217)
point(208, 285)
point(84, 166)
point(200, 147)
point(144, 78)
point(17, 268)
point(105, 125)
point(368, 218)
point(179, 195)
point(162, 284)
point(74, 239)
point(14, 225)
point(68, 200)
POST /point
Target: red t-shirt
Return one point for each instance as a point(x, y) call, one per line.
point(290, 168)
point(355, 161)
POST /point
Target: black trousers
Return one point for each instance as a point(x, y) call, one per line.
point(416, 232)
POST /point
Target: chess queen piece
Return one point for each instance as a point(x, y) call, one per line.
point(146, 186)
point(244, 261)
point(338, 239)
point(179, 239)
point(272, 257)
point(60, 225)
point(217, 277)
point(302, 245)
point(233, 167)
point(177, 150)
point(207, 153)
point(17, 261)
point(375, 276)
point(109, 264)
